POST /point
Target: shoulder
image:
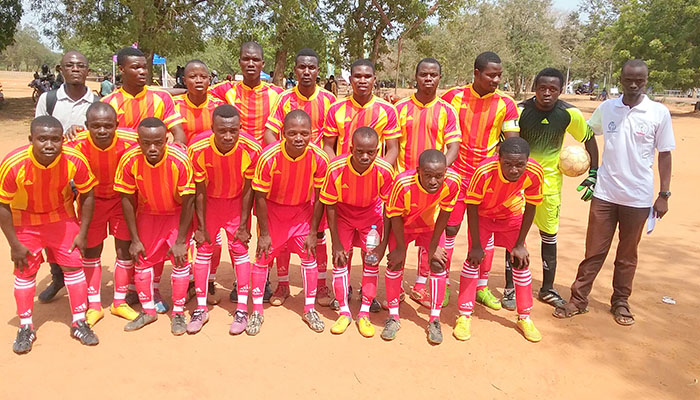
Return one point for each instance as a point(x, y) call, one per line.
point(269, 152)
point(378, 101)
point(383, 165)
point(130, 155)
point(453, 92)
point(179, 98)
point(223, 85)
point(505, 97)
point(405, 178)
point(340, 102)
point(405, 102)
point(200, 143)
point(319, 152)
point(487, 166)
point(74, 154)
point(326, 94)
point(452, 178)
point(249, 143)
point(15, 156)
point(273, 88)
point(126, 135)
point(534, 168)
point(177, 155)
point(159, 92)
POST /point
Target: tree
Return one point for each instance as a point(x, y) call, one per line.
point(27, 53)
point(10, 14)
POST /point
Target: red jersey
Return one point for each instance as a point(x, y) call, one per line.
point(316, 106)
point(150, 102)
point(344, 185)
point(198, 119)
point(39, 195)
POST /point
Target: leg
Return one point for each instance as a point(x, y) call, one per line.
point(202, 267)
point(483, 293)
point(92, 266)
point(523, 296)
point(282, 292)
point(76, 285)
point(323, 296)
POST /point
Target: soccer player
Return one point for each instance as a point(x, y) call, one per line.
point(356, 187)
point(498, 191)
point(287, 181)
point(362, 108)
point(135, 101)
point(36, 212)
point(484, 114)
point(315, 101)
point(157, 195)
point(419, 206)
point(103, 145)
point(223, 163)
point(196, 106)
point(427, 122)
point(544, 120)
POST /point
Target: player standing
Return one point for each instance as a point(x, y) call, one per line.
point(196, 106)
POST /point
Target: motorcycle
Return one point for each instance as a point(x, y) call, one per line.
point(40, 86)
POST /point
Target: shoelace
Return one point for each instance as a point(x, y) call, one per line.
point(238, 317)
point(197, 315)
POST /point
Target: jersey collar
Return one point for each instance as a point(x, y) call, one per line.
point(475, 94)
point(38, 164)
point(110, 147)
point(159, 163)
point(369, 103)
point(352, 169)
point(139, 94)
point(246, 87)
point(427, 105)
point(301, 96)
point(216, 149)
point(191, 105)
point(288, 157)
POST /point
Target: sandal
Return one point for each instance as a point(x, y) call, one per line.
point(623, 315)
point(568, 310)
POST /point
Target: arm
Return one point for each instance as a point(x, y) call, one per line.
point(264, 240)
point(128, 208)
point(329, 145)
point(340, 256)
point(476, 252)
point(397, 257)
point(201, 235)
point(392, 151)
point(18, 252)
point(589, 183)
point(87, 208)
point(519, 252)
point(269, 136)
point(438, 255)
point(661, 203)
point(179, 136)
point(311, 238)
point(452, 152)
point(243, 231)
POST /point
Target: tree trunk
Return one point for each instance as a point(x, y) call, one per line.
point(517, 85)
point(149, 64)
point(280, 65)
point(377, 41)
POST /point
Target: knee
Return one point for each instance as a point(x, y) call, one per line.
point(452, 231)
point(435, 267)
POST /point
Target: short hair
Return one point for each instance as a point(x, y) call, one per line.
point(483, 59)
point(297, 114)
point(431, 156)
point(152, 122)
point(195, 62)
point(252, 45)
point(365, 132)
point(514, 145)
point(126, 52)
point(45, 121)
point(361, 62)
point(550, 72)
point(101, 107)
point(225, 111)
point(634, 63)
point(306, 52)
point(429, 60)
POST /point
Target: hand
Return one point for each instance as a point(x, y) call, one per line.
point(179, 253)
point(201, 236)
point(340, 256)
point(80, 243)
point(588, 184)
point(243, 235)
point(19, 254)
point(310, 244)
point(521, 254)
point(475, 255)
point(264, 245)
point(72, 132)
point(396, 259)
point(438, 259)
point(660, 207)
point(136, 250)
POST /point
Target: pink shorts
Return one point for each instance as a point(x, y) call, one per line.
point(505, 231)
point(108, 219)
point(287, 225)
point(56, 238)
point(457, 214)
point(354, 223)
point(224, 213)
point(158, 234)
point(421, 239)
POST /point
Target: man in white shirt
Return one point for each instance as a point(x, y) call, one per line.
point(634, 128)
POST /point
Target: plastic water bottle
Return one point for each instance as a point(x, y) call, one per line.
point(373, 239)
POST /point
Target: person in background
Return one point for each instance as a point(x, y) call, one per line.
point(106, 86)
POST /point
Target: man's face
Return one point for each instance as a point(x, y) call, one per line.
point(297, 134)
point(362, 80)
point(47, 144)
point(226, 132)
point(547, 92)
point(431, 176)
point(512, 165)
point(251, 62)
point(102, 126)
point(134, 71)
point(489, 78)
point(634, 80)
point(306, 70)
point(74, 69)
point(428, 77)
point(196, 79)
point(152, 142)
point(364, 150)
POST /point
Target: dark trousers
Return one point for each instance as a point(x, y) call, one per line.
point(56, 272)
point(603, 219)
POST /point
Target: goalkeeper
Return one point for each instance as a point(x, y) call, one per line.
point(544, 120)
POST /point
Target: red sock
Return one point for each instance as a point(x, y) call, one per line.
point(309, 273)
point(24, 298)
point(522, 280)
point(485, 266)
point(392, 280)
point(322, 260)
point(180, 280)
point(93, 274)
point(122, 270)
point(370, 276)
point(449, 248)
point(467, 289)
point(438, 280)
point(423, 269)
point(143, 279)
point(76, 286)
point(201, 274)
point(241, 261)
point(340, 287)
point(283, 266)
point(257, 283)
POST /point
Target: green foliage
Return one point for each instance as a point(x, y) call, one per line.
point(10, 14)
point(27, 53)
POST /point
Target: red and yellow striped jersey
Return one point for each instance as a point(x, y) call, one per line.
point(40, 195)
point(150, 102)
point(197, 118)
point(104, 162)
point(254, 104)
point(316, 106)
point(498, 198)
point(481, 119)
point(290, 181)
point(418, 208)
point(345, 116)
point(425, 126)
point(159, 187)
point(344, 185)
point(224, 174)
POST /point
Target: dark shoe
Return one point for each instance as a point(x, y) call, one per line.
point(391, 326)
point(434, 332)
point(52, 290)
point(132, 298)
point(508, 300)
point(233, 296)
point(82, 332)
point(25, 338)
point(375, 307)
point(178, 324)
point(268, 292)
point(551, 297)
point(142, 320)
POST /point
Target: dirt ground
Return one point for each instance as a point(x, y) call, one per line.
point(589, 356)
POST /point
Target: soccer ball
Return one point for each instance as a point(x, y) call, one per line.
point(574, 161)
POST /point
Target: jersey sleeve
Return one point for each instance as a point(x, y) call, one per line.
point(84, 180)
point(274, 121)
point(397, 205)
point(448, 202)
point(330, 127)
point(8, 182)
point(185, 179)
point(596, 120)
point(476, 188)
point(262, 178)
point(321, 169)
point(533, 192)
point(124, 180)
point(387, 177)
point(578, 127)
point(664, 140)
point(199, 172)
point(510, 120)
point(219, 90)
point(170, 115)
point(392, 130)
point(253, 155)
point(451, 132)
point(329, 190)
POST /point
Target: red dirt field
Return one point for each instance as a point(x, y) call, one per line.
point(589, 356)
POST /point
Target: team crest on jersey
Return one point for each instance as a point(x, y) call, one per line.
point(545, 122)
point(612, 127)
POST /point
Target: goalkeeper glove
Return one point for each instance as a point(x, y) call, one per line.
point(588, 184)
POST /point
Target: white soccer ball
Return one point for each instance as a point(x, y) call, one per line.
point(574, 161)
